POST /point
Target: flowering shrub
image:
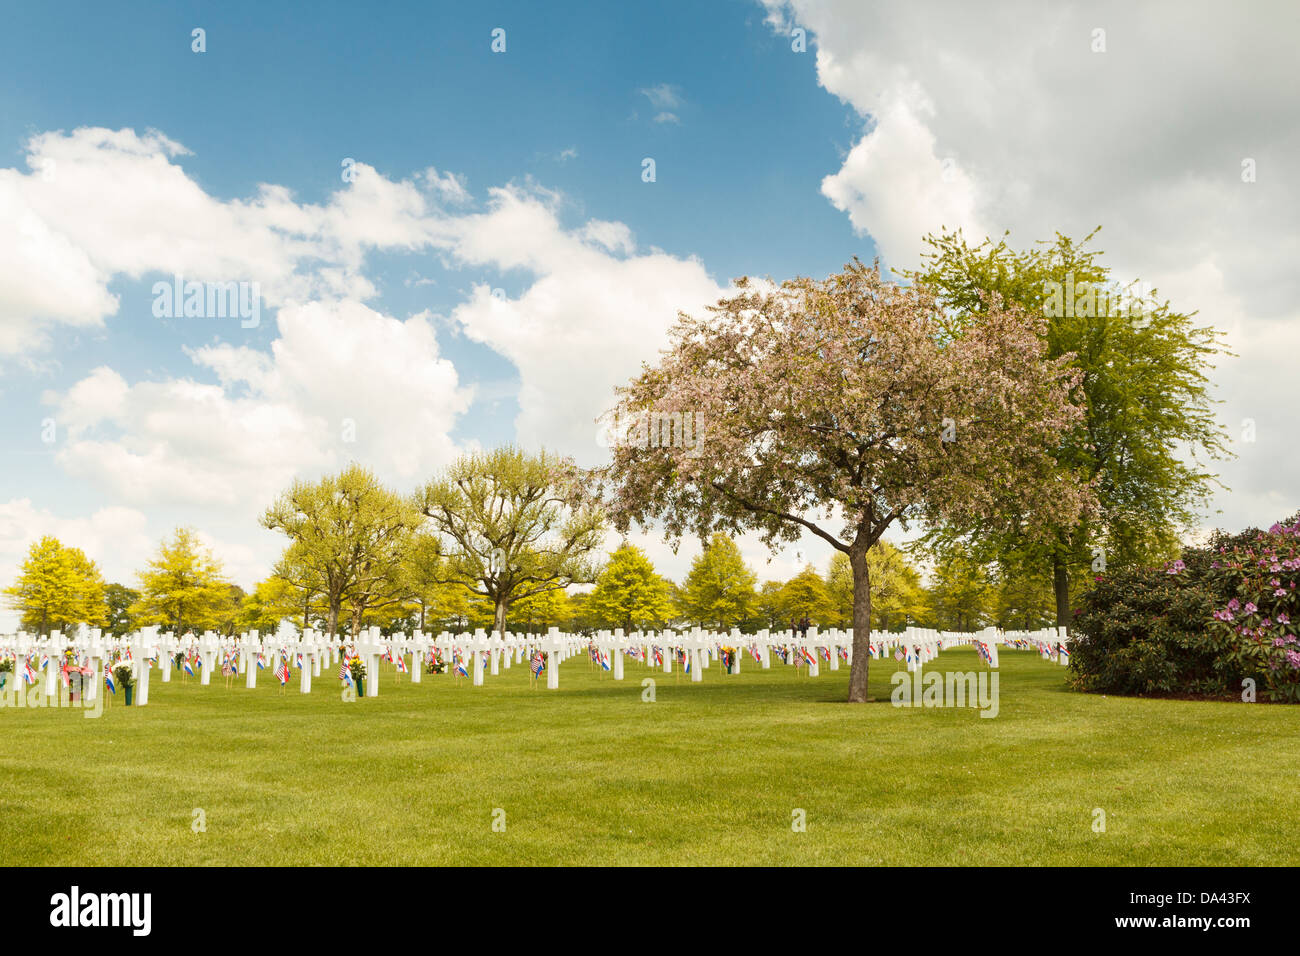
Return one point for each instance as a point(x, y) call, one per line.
point(1198, 625)
point(1257, 573)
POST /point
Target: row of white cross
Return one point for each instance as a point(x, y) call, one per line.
point(480, 652)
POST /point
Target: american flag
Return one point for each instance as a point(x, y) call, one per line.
point(282, 672)
point(898, 654)
point(345, 672)
point(538, 662)
point(108, 679)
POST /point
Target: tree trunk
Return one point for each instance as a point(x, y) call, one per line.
point(858, 672)
point(1061, 585)
point(500, 617)
point(334, 620)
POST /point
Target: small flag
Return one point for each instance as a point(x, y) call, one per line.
point(538, 663)
point(108, 680)
point(282, 672)
point(400, 661)
point(188, 667)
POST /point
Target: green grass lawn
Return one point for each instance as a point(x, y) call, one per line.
point(709, 773)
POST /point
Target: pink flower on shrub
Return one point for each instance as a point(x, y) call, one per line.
point(1293, 658)
point(1283, 617)
point(1250, 607)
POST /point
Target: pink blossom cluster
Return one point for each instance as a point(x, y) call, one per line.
point(1262, 571)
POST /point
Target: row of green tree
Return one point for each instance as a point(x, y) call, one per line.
point(184, 587)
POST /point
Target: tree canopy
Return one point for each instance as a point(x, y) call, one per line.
point(514, 525)
point(57, 587)
point(840, 407)
point(1146, 425)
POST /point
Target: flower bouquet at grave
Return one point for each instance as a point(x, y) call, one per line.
point(357, 668)
point(123, 677)
point(6, 671)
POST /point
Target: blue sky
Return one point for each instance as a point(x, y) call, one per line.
point(768, 162)
point(282, 98)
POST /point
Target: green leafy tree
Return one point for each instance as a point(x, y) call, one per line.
point(629, 593)
point(118, 599)
point(183, 587)
point(897, 597)
point(307, 583)
point(57, 588)
point(348, 533)
point(1142, 387)
point(769, 607)
point(426, 586)
point(1024, 599)
point(962, 592)
point(513, 526)
point(272, 600)
point(805, 595)
point(719, 591)
point(533, 615)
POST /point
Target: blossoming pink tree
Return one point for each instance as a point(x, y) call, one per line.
point(840, 407)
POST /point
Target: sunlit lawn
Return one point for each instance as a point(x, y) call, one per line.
point(709, 773)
